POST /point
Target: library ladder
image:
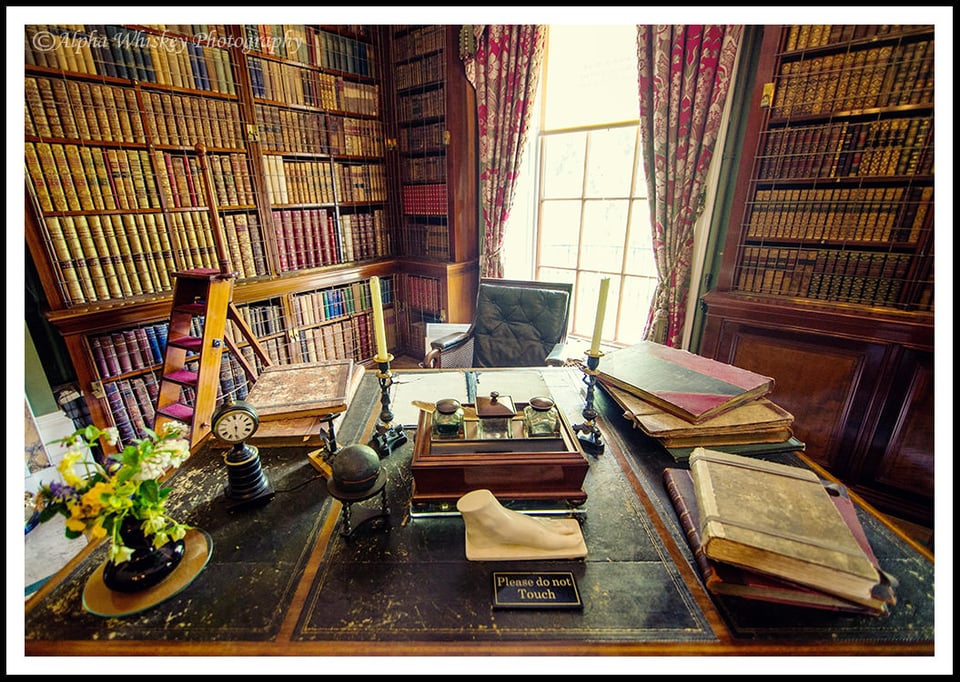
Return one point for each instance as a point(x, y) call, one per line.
point(197, 337)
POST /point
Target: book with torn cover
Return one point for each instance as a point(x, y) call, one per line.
point(726, 579)
point(779, 520)
point(690, 386)
point(757, 416)
point(304, 389)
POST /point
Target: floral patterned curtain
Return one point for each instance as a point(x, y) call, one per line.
point(503, 65)
point(684, 75)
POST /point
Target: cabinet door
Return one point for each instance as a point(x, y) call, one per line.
point(899, 464)
point(825, 382)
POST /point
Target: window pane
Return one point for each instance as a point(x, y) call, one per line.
point(640, 188)
point(559, 233)
point(635, 302)
point(557, 275)
point(604, 232)
point(563, 165)
point(592, 75)
point(640, 249)
point(610, 156)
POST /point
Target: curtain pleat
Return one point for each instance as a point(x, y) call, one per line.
point(683, 79)
point(504, 68)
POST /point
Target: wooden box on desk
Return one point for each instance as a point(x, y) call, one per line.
point(520, 469)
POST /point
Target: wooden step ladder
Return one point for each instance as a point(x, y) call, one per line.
point(202, 304)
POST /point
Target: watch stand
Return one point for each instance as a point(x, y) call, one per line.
point(247, 484)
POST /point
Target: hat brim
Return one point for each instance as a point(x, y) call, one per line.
point(356, 495)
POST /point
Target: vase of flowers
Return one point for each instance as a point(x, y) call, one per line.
point(122, 501)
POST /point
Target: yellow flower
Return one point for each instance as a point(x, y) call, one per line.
point(66, 467)
point(76, 524)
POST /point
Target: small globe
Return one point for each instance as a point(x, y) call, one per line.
point(355, 469)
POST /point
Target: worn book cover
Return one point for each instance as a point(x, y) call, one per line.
point(779, 520)
point(690, 386)
point(760, 416)
point(726, 579)
point(303, 389)
point(792, 444)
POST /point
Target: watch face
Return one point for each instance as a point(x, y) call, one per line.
point(235, 425)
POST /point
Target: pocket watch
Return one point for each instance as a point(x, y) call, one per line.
point(235, 421)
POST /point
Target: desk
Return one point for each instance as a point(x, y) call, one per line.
point(282, 581)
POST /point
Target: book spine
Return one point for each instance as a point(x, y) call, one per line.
point(118, 411)
point(688, 524)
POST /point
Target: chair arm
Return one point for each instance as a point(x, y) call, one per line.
point(449, 341)
point(556, 357)
point(444, 344)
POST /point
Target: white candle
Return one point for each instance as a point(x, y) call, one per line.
point(379, 330)
point(601, 309)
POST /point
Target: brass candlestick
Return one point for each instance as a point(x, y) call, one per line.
point(588, 433)
point(388, 436)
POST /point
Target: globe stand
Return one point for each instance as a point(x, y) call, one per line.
point(351, 520)
point(357, 475)
point(247, 484)
point(388, 436)
point(588, 433)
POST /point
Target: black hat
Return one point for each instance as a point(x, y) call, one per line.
point(355, 471)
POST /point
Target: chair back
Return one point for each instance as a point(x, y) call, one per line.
point(518, 323)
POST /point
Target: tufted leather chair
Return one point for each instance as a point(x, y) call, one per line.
point(516, 324)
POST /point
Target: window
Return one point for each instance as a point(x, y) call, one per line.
point(583, 185)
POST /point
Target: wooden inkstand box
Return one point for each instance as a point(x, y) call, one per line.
point(494, 452)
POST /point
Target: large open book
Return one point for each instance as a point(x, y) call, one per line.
point(685, 384)
point(304, 389)
point(779, 520)
point(726, 579)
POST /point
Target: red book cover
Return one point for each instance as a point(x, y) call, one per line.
point(133, 347)
point(332, 238)
point(690, 386)
point(282, 225)
point(302, 258)
point(97, 349)
point(123, 354)
point(724, 579)
point(311, 238)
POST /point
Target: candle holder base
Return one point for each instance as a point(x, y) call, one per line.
point(387, 439)
point(590, 441)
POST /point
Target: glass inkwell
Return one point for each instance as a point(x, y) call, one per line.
point(540, 417)
point(448, 419)
point(496, 413)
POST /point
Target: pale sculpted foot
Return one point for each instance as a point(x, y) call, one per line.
point(490, 524)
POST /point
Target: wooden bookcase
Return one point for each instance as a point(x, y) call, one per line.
point(827, 275)
point(433, 143)
point(293, 120)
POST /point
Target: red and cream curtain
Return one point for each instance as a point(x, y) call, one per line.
point(503, 65)
point(684, 75)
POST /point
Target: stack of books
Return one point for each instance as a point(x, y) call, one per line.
point(776, 533)
point(684, 401)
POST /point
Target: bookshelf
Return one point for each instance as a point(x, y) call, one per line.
point(293, 121)
point(826, 280)
point(433, 139)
